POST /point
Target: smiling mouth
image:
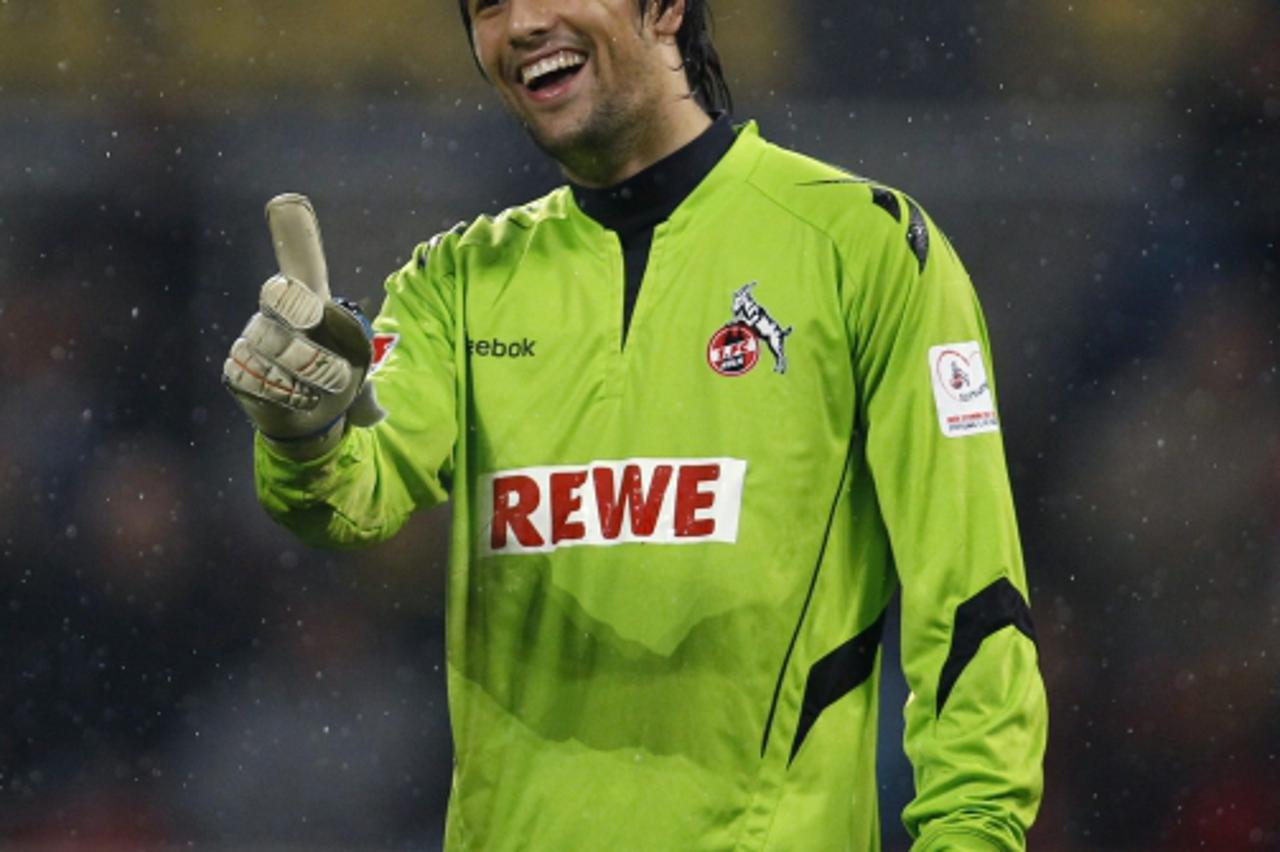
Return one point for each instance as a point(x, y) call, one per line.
point(549, 74)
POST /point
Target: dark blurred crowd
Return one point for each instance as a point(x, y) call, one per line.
point(176, 670)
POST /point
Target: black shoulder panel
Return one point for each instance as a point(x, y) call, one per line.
point(853, 179)
point(835, 676)
point(917, 233)
point(996, 607)
point(887, 201)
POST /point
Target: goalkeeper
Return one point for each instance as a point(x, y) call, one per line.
point(701, 412)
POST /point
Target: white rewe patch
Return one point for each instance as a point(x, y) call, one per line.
point(603, 503)
point(961, 390)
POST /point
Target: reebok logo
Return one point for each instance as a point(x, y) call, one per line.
point(496, 348)
point(602, 503)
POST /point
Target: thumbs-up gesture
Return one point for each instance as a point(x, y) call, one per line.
point(299, 366)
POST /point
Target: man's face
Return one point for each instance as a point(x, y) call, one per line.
point(583, 75)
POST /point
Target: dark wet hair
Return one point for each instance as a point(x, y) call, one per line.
point(697, 52)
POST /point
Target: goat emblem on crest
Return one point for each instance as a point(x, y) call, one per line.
point(734, 349)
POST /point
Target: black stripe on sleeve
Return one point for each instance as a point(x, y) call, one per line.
point(917, 233)
point(886, 201)
point(835, 676)
point(851, 179)
point(808, 596)
point(996, 607)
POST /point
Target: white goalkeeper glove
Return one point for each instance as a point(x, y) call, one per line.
point(299, 367)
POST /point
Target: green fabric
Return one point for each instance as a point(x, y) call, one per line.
point(629, 696)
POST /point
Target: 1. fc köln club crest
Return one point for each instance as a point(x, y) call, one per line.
point(735, 347)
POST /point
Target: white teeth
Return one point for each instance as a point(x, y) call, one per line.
point(554, 62)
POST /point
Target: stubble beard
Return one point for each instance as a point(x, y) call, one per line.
point(603, 141)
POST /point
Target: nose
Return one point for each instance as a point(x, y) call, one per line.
point(529, 21)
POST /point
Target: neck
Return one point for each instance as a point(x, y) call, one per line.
point(632, 153)
point(652, 195)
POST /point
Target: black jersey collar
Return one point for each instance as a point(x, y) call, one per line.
point(650, 196)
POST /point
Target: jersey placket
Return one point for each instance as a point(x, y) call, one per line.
point(611, 387)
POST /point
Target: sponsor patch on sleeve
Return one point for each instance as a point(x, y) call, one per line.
point(961, 391)
point(382, 345)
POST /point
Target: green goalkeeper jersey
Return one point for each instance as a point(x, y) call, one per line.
point(673, 547)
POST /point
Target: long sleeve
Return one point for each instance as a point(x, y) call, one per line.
point(976, 718)
point(364, 489)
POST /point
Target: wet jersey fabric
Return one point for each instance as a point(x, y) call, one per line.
point(671, 556)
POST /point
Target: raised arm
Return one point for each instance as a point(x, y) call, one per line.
point(328, 464)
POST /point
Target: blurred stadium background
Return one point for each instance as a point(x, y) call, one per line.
point(176, 671)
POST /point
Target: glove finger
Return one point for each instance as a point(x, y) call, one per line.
point(295, 234)
point(296, 354)
point(292, 302)
point(247, 371)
